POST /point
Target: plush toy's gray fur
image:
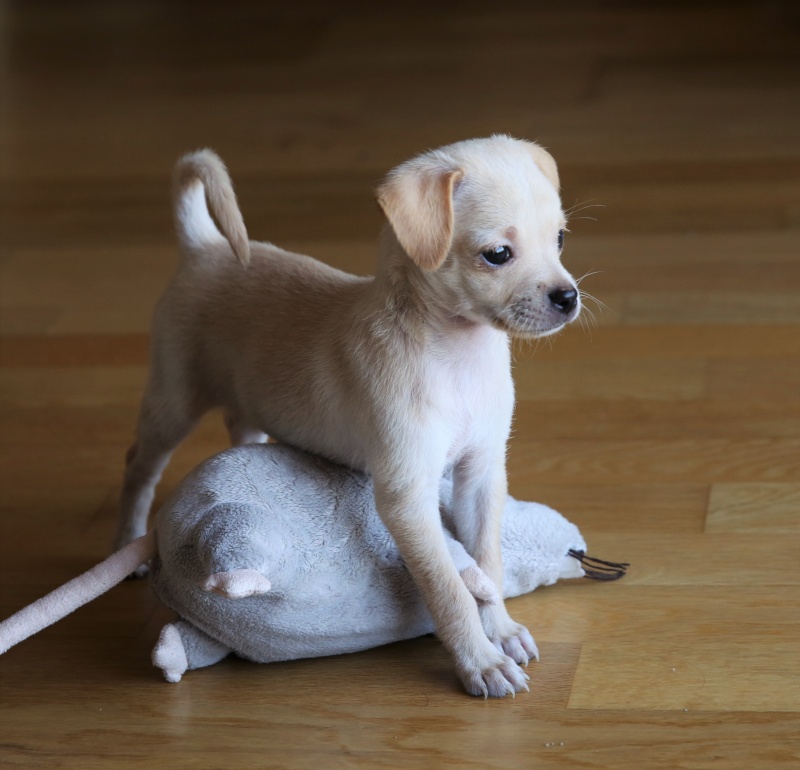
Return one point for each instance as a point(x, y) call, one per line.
point(274, 554)
point(299, 540)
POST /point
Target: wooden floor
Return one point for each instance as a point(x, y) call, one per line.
point(669, 430)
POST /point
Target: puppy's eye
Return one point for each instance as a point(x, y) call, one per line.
point(560, 240)
point(498, 256)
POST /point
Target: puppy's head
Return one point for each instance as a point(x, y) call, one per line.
point(482, 222)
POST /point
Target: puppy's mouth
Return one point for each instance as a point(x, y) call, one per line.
point(524, 329)
point(533, 318)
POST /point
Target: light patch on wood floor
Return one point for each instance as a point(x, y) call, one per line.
point(771, 509)
point(688, 671)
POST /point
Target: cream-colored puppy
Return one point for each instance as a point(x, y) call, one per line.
point(405, 375)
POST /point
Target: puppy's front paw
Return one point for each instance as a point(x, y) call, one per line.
point(496, 678)
point(518, 645)
point(508, 636)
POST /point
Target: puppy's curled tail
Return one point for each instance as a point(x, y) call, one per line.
point(205, 204)
point(77, 592)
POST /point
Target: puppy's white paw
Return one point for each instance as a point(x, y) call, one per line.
point(509, 637)
point(237, 584)
point(518, 645)
point(501, 677)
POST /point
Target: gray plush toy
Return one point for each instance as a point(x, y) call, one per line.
point(275, 554)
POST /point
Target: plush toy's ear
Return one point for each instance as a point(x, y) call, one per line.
point(546, 163)
point(417, 199)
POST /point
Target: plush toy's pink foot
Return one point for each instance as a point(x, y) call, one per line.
point(169, 654)
point(237, 584)
point(479, 584)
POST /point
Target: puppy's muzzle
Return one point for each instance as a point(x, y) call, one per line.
point(540, 313)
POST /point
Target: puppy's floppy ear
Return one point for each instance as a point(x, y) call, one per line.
point(546, 163)
point(417, 199)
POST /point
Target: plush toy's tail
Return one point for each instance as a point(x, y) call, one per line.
point(67, 598)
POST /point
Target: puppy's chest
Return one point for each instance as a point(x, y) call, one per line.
point(474, 402)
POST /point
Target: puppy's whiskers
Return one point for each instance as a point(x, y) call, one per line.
point(588, 318)
point(587, 323)
point(578, 207)
point(601, 306)
point(578, 281)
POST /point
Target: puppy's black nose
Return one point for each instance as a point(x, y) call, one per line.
point(564, 299)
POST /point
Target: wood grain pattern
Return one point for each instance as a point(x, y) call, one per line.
point(667, 428)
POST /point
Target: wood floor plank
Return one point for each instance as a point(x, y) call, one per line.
point(73, 351)
point(754, 509)
point(675, 614)
point(65, 386)
point(696, 307)
point(775, 380)
point(634, 419)
point(674, 342)
point(718, 559)
point(595, 462)
point(599, 509)
point(688, 673)
point(614, 380)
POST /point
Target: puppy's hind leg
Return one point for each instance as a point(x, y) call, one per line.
point(161, 428)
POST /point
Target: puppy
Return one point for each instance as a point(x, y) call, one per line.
point(405, 375)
